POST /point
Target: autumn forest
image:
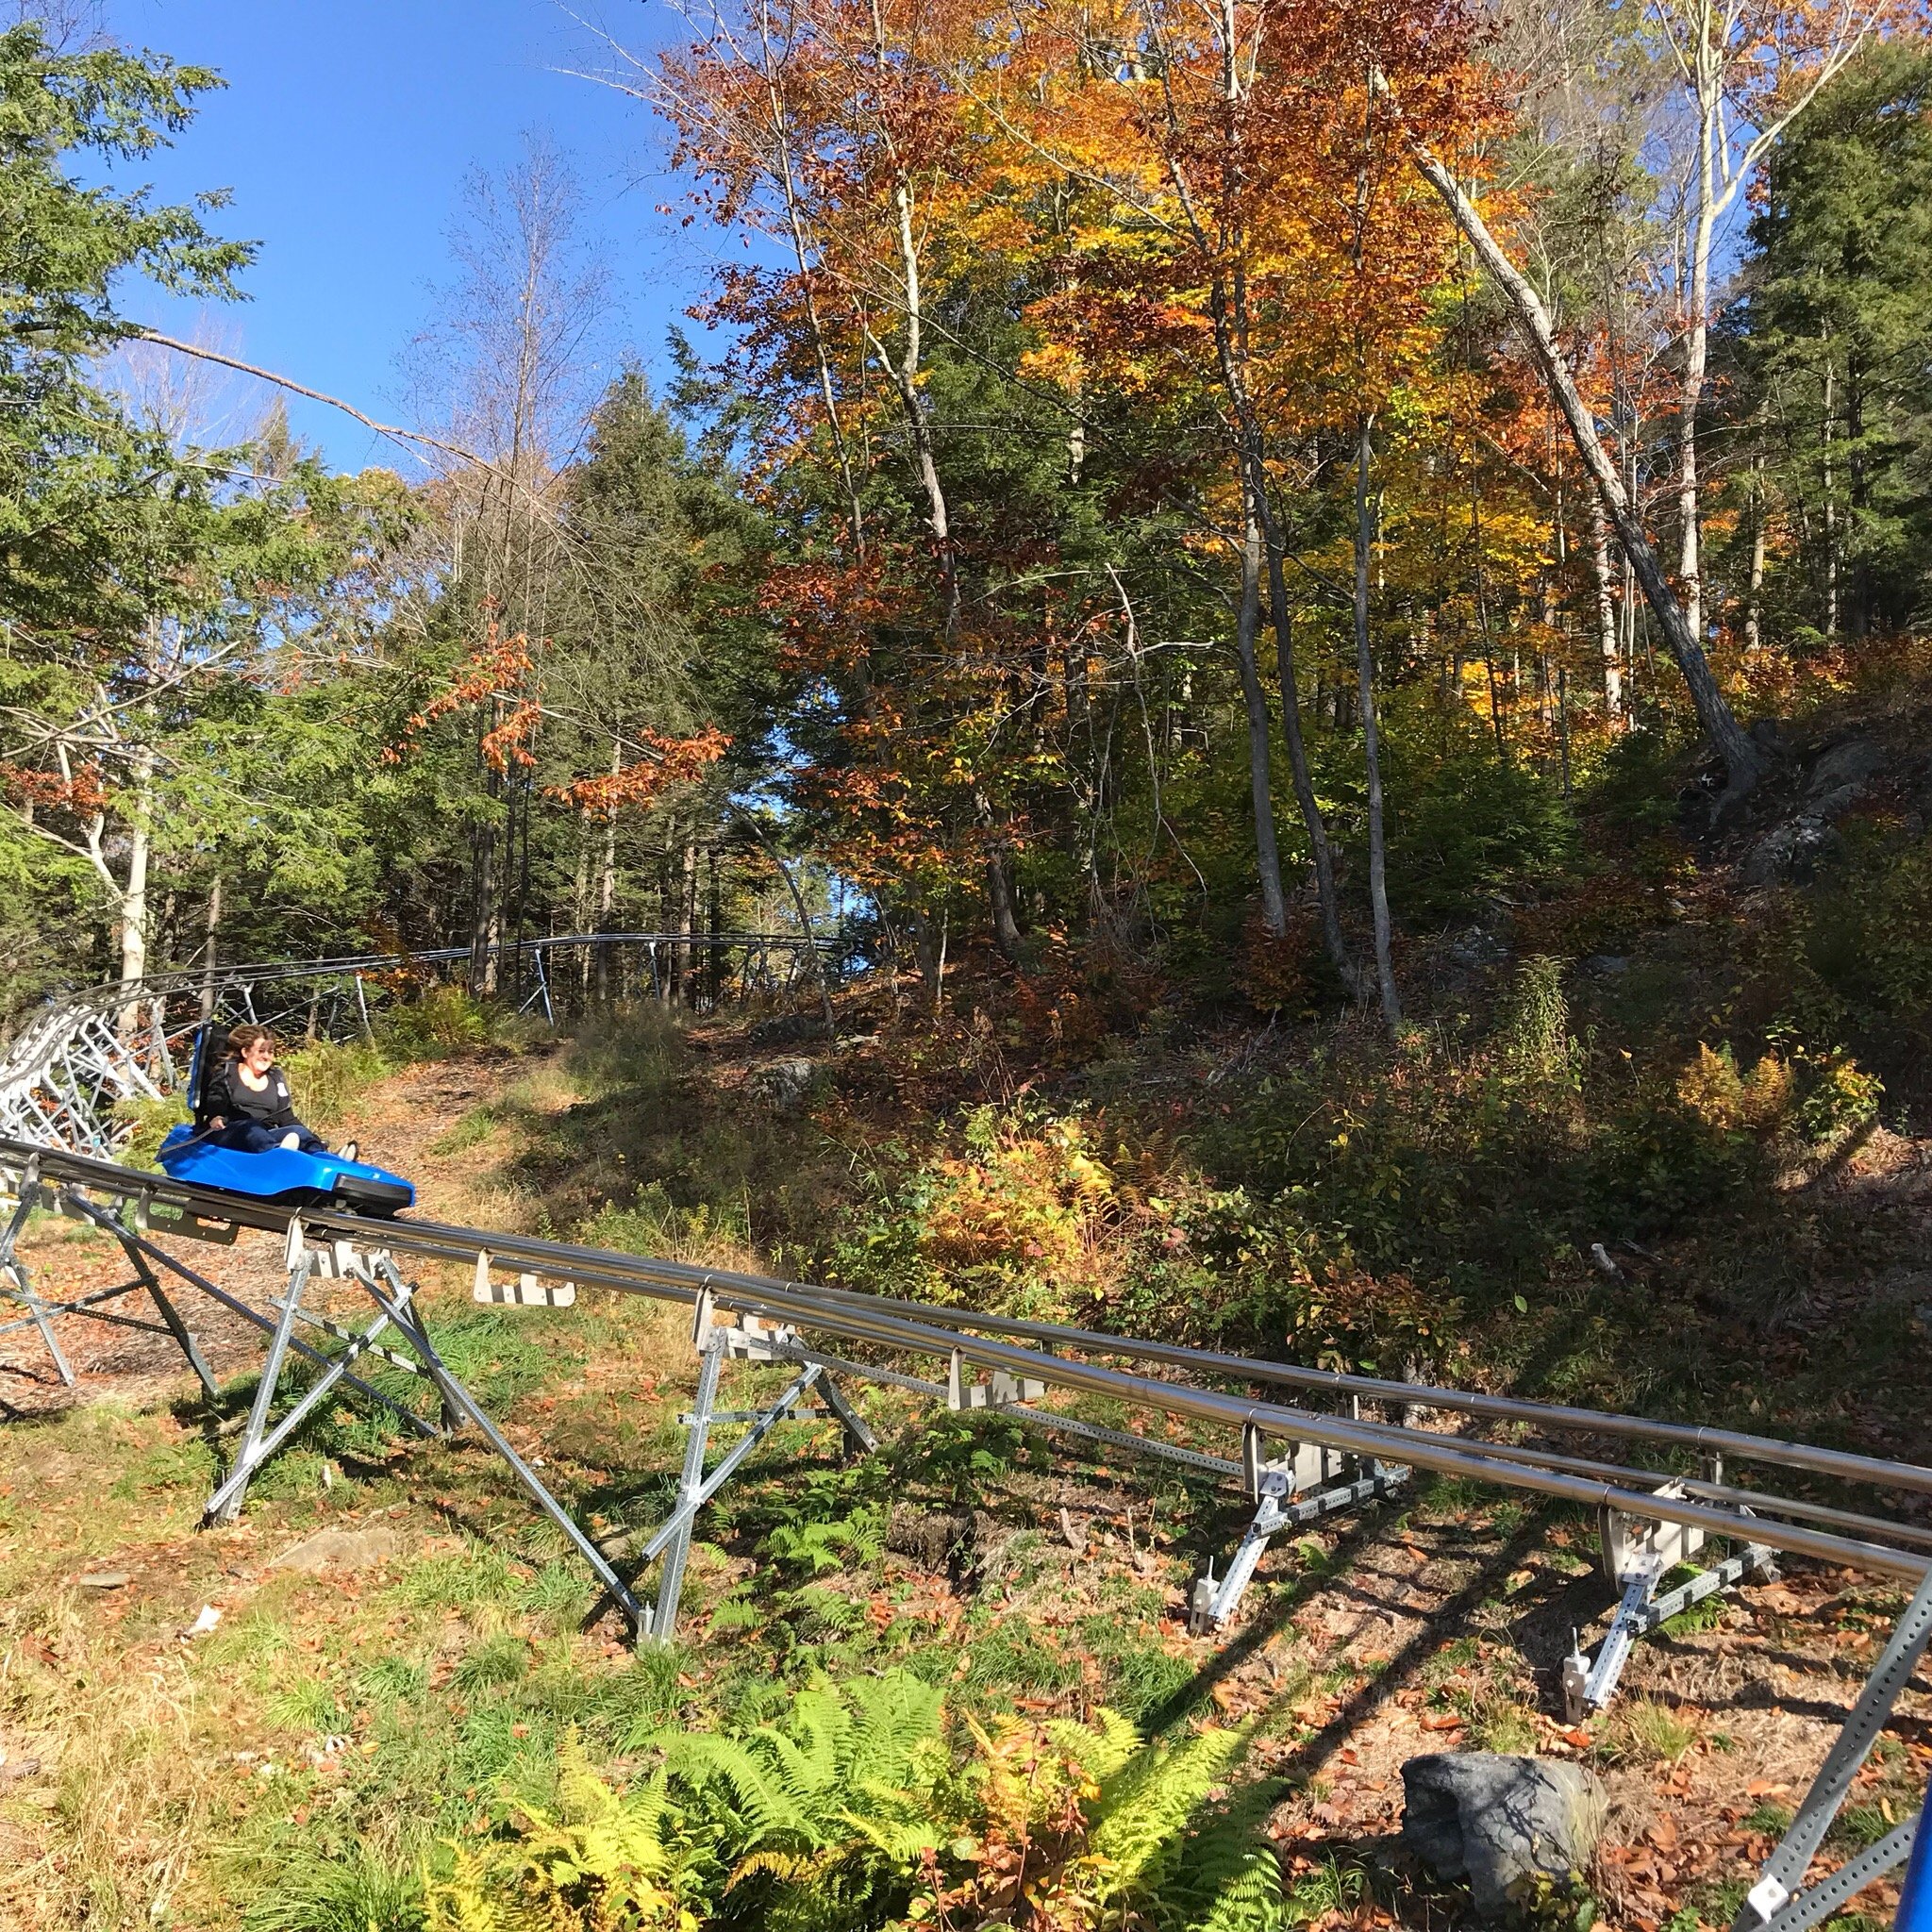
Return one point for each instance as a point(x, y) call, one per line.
point(1320, 608)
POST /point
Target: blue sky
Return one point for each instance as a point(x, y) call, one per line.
point(345, 134)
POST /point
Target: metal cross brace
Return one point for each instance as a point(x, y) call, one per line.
point(1289, 1495)
point(16, 1286)
point(747, 1340)
point(1639, 1556)
point(672, 1538)
point(540, 993)
point(395, 1298)
point(1774, 1903)
point(258, 1442)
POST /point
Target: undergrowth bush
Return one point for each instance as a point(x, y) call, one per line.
point(631, 1048)
point(859, 1810)
point(328, 1076)
point(1359, 1204)
point(1464, 822)
point(442, 1020)
point(1027, 1211)
point(1386, 1192)
point(148, 1123)
point(1862, 951)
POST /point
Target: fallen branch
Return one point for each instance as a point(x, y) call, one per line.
point(314, 396)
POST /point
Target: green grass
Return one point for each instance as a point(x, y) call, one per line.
point(304, 1704)
point(1656, 1731)
point(471, 1130)
point(360, 1891)
point(493, 1665)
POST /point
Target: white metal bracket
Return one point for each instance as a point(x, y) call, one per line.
point(1638, 1554)
point(1001, 1392)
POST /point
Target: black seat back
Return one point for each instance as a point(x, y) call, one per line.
point(201, 1067)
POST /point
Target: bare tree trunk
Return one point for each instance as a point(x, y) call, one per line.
point(686, 920)
point(1260, 785)
point(483, 932)
point(134, 906)
point(1742, 765)
point(1696, 361)
point(929, 945)
point(210, 928)
point(1482, 611)
point(1753, 607)
point(1605, 614)
point(1321, 854)
point(904, 370)
point(1365, 678)
point(999, 885)
point(580, 902)
point(714, 924)
point(1830, 488)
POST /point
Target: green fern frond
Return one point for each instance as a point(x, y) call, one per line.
point(897, 1824)
point(1230, 1880)
point(1102, 1749)
point(766, 1808)
point(1144, 1811)
point(895, 1717)
point(1248, 1900)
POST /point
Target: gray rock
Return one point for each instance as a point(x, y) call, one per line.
point(1607, 962)
point(1500, 1822)
point(1789, 851)
point(1479, 946)
point(339, 1549)
point(1835, 804)
point(1850, 763)
point(783, 1082)
point(104, 1579)
point(789, 1029)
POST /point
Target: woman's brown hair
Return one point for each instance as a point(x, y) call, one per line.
point(244, 1036)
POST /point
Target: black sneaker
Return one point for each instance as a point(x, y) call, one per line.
point(348, 1150)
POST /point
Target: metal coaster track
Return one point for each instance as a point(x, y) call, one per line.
point(72, 1064)
point(1297, 1464)
point(1057, 1358)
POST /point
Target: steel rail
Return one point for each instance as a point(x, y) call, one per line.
point(883, 1323)
point(1844, 1464)
point(113, 993)
point(562, 1259)
point(568, 1261)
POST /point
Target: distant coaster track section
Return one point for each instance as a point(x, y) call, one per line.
point(71, 1068)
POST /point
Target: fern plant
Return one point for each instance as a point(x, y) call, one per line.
point(820, 1546)
point(601, 1863)
point(1086, 1828)
point(852, 1816)
point(825, 1821)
